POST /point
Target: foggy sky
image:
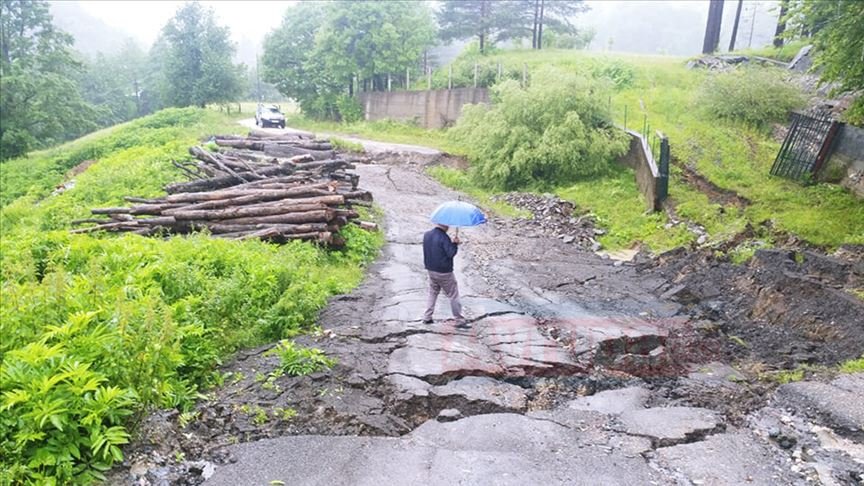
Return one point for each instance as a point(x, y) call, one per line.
point(642, 26)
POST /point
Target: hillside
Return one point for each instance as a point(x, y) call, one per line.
point(99, 328)
point(720, 175)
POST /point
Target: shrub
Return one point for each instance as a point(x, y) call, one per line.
point(756, 96)
point(555, 131)
point(298, 361)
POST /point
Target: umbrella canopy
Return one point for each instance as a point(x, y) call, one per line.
point(458, 213)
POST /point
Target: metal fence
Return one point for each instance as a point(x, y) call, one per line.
point(806, 146)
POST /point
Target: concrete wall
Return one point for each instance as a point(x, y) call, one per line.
point(639, 159)
point(430, 109)
point(846, 163)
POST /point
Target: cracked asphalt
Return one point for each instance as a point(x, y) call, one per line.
point(571, 373)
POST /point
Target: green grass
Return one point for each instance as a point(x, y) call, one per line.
point(732, 155)
point(460, 181)
point(97, 327)
point(784, 53)
point(853, 366)
point(342, 144)
point(620, 209)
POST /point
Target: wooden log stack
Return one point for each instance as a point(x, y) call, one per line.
point(244, 191)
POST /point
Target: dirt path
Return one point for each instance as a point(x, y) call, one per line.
point(573, 372)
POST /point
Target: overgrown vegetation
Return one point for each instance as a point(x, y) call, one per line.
point(553, 132)
point(755, 96)
point(838, 35)
point(99, 327)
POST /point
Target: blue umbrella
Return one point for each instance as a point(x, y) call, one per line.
point(458, 213)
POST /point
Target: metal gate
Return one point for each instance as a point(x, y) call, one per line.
point(806, 147)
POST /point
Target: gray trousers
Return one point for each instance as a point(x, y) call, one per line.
point(447, 283)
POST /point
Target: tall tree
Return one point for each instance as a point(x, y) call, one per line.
point(40, 103)
point(463, 19)
point(198, 68)
point(288, 62)
point(320, 49)
point(556, 14)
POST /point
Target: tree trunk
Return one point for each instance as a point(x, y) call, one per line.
point(534, 27)
point(540, 25)
point(735, 25)
point(712, 28)
point(781, 23)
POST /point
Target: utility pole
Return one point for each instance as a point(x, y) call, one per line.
point(712, 29)
point(735, 26)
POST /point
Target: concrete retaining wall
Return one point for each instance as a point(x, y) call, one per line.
point(430, 109)
point(846, 163)
point(639, 159)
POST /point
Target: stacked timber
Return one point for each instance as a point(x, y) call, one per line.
point(242, 192)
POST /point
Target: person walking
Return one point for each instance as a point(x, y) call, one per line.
point(438, 253)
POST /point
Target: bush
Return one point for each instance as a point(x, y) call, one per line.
point(756, 96)
point(554, 132)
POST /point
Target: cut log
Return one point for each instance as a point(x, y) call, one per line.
point(250, 211)
point(288, 218)
point(277, 150)
point(366, 225)
point(282, 228)
point(254, 133)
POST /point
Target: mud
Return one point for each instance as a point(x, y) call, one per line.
point(552, 323)
point(783, 308)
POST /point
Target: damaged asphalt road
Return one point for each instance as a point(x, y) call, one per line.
point(575, 370)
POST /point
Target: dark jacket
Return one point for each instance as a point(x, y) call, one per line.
point(438, 251)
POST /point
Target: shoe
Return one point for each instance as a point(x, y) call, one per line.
point(462, 324)
point(428, 321)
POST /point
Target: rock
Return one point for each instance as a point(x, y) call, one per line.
point(702, 239)
point(671, 425)
point(725, 460)
point(449, 415)
point(568, 239)
point(839, 405)
point(612, 402)
point(504, 396)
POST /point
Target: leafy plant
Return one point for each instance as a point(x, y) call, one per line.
point(298, 361)
point(553, 132)
point(756, 96)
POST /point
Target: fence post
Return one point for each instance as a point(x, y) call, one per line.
point(408, 79)
point(450, 78)
point(475, 74)
point(388, 83)
point(499, 73)
point(663, 168)
point(428, 78)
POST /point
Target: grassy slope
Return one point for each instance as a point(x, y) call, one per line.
point(731, 155)
point(148, 318)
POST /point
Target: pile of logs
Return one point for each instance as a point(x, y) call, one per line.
point(249, 190)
